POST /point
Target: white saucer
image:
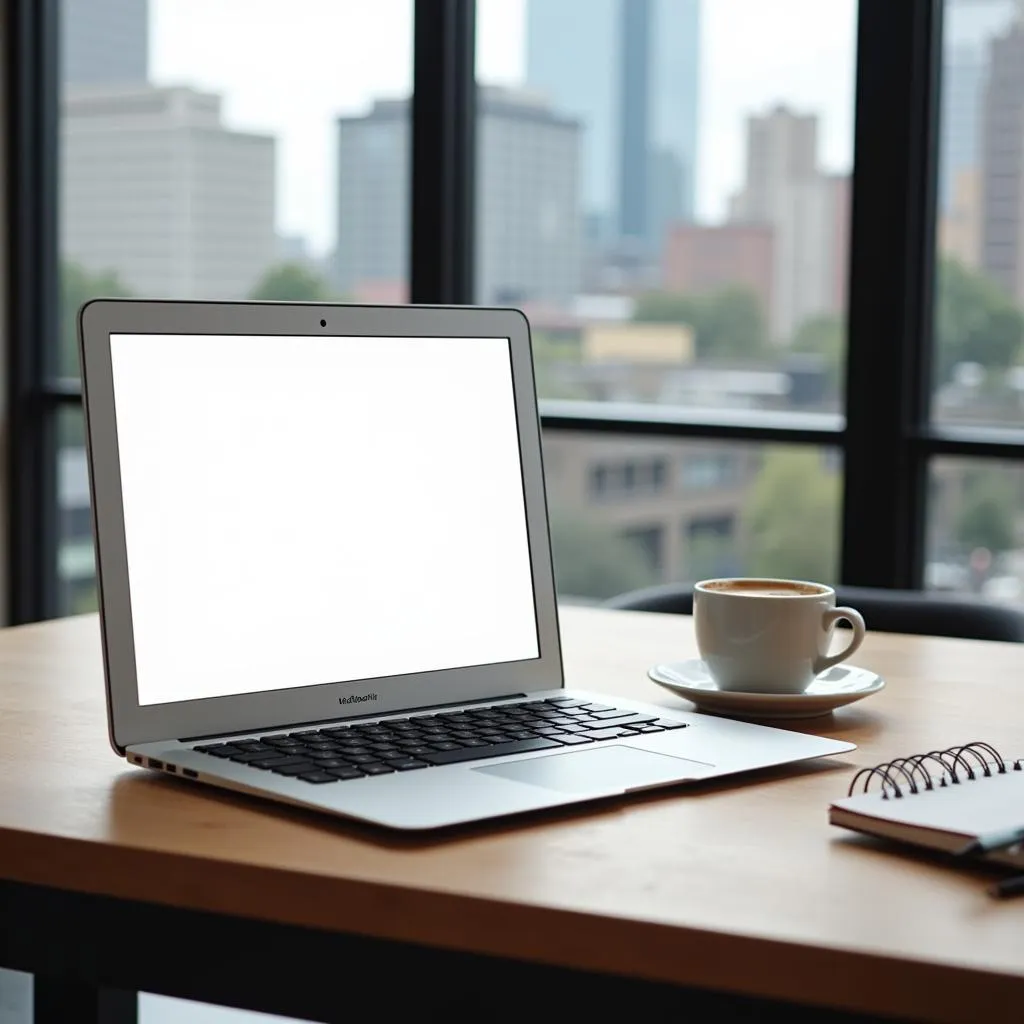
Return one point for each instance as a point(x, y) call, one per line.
point(839, 685)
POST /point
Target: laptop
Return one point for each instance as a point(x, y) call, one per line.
point(325, 576)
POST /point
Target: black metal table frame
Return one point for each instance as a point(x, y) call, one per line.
point(90, 955)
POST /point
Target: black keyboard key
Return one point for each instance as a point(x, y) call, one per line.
point(305, 732)
point(650, 728)
point(366, 758)
point(377, 768)
point(569, 740)
point(610, 713)
point(282, 762)
point(597, 707)
point(345, 773)
point(330, 762)
point(565, 702)
point(222, 750)
point(446, 745)
point(522, 734)
point(634, 721)
point(406, 764)
point(318, 777)
point(250, 757)
point(498, 750)
point(280, 742)
point(416, 749)
point(605, 734)
point(295, 769)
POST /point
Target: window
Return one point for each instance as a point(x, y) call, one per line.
point(198, 163)
point(979, 313)
point(683, 267)
point(668, 197)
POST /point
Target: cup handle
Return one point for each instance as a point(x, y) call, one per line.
point(830, 618)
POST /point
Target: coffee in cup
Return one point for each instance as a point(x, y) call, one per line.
point(769, 635)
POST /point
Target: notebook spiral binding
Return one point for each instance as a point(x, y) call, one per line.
point(910, 775)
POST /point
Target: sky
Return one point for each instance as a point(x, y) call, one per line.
point(290, 67)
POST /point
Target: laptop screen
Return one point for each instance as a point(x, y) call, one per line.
point(309, 510)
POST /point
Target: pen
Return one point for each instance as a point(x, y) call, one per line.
point(1008, 887)
point(993, 841)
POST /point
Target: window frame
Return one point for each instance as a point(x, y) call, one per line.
point(885, 437)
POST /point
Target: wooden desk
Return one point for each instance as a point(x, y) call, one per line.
point(117, 878)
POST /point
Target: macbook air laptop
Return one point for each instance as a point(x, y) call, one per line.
point(325, 575)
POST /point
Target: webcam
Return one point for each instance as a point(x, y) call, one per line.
point(323, 323)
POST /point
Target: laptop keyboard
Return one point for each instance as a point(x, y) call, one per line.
point(344, 752)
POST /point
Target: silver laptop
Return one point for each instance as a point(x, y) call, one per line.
point(325, 575)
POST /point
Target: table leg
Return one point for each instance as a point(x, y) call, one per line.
point(71, 1002)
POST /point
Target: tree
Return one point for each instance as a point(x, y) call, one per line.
point(986, 516)
point(824, 336)
point(790, 519)
point(292, 282)
point(727, 324)
point(593, 560)
point(975, 321)
point(78, 286)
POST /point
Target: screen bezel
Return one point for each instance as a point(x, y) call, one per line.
point(131, 722)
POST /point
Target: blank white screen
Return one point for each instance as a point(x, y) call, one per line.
point(304, 510)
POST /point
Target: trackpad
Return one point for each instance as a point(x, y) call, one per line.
point(608, 768)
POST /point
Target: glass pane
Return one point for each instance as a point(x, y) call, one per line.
point(979, 322)
point(76, 570)
point(667, 197)
point(199, 160)
point(631, 512)
point(974, 528)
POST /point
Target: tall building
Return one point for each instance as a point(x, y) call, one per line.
point(628, 71)
point(1002, 163)
point(968, 28)
point(807, 210)
point(529, 221)
point(156, 189)
point(104, 42)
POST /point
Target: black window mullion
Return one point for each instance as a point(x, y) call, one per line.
point(443, 152)
point(31, 123)
point(892, 261)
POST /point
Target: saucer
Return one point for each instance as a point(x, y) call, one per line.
point(839, 685)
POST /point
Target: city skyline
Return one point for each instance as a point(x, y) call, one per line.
point(195, 42)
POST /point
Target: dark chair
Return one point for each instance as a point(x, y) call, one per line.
point(889, 611)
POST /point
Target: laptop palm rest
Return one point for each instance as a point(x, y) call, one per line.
point(607, 769)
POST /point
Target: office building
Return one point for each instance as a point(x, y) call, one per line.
point(104, 42)
point(628, 71)
point(807, 210)
point(968, 29)
point(529, 224)
point(156, 189)
point(1002, 163)
point(701, 259)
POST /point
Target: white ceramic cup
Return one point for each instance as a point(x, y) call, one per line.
point(769, 635)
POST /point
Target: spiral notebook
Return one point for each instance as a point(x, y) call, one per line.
point(942, 800)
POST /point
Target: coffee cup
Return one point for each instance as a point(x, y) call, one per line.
point(769, 635)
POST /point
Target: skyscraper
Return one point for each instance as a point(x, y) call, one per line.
point(968, 29)
point(529, 221)
point(104, 42)
point(1002, 163)
point(628, 71)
